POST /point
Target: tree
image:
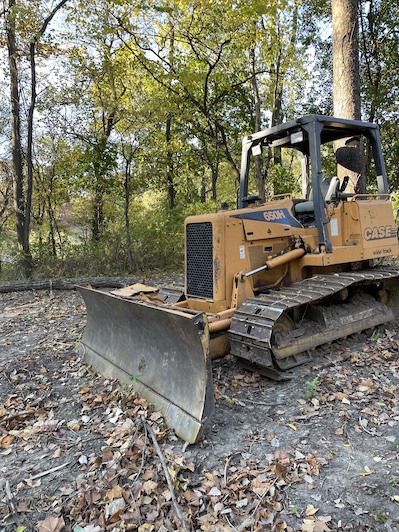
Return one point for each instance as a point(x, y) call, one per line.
point(22, 39)
point(380, 73)
point(346, 89)
point(98, 89)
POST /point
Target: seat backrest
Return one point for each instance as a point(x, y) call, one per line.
point(328, 188)
point(332, 189)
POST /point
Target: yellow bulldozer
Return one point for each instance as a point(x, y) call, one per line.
point(267, 282)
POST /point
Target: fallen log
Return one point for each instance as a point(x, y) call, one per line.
point(65, 284)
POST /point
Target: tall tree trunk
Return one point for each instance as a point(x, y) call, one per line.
point(260, 178)
point(22, 193)
point(100, 172)
point(17, 156)
point(98, 211)
point(31, 112)
point(215, 174)
point(170, 180)
point(29, 154)
point(203, 188)
point(213, 160)
point(169, 164)
point(370, 50)
point(346, 89)
point(126, 213)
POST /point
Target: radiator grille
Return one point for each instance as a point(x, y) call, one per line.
point(199, 240)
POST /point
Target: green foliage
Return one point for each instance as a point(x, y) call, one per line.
point(376, 335)
point(311, 386)
point(146, 107)
point(282, 181)
point(381, 516)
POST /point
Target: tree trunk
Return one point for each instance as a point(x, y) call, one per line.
point(346, 89)
point(29, 154)
point(23, 195)
point(277, 105)
point(127, 216)
point(215, 175)
point(99, 176)
point(169, 164)
point(17, 157)
point(212, 159)
point(98, 211)
point(370, 50)
point(260, 178)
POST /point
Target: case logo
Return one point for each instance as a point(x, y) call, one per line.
point(380, 232)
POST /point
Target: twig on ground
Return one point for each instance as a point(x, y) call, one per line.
point(6, 376)
point(142, 454)
point(363, 427)
point(11, 504)
point(52, 470)
point(23, 413)
point(226, 467)
point(167, 476)
point(263, 496)
point(270, 405)
point(230, 524)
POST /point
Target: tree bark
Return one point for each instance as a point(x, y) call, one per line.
point(100, 171)
point(23, 189)
point(260, 178)
point(16, 142)
point(126, 184)
point(346, 89)
point(169, 164)
point(371, 53)
point(31, 111)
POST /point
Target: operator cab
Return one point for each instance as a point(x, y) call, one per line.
point(313, 138)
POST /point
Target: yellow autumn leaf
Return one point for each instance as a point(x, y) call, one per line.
point(6, 441)
point(311, 510)
point(146, 528)
point(292, 426)
point(73, 425)
point(395, 498)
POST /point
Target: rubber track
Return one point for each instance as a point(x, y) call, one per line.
point(252, 324)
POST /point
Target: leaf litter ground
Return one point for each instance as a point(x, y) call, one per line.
point(78, 452)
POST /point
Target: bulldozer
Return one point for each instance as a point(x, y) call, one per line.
point(267, 282)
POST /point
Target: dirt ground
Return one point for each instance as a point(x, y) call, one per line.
point(315, 453)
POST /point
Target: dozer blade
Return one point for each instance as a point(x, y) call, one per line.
point(163, 353)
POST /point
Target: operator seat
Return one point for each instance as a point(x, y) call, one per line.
point(329, 188)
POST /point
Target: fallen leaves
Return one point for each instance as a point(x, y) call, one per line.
point(316, 525)
point(6, 441)
point(115, 478)
point(51, 524)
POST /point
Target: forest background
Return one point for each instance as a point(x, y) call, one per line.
point(118, 119)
